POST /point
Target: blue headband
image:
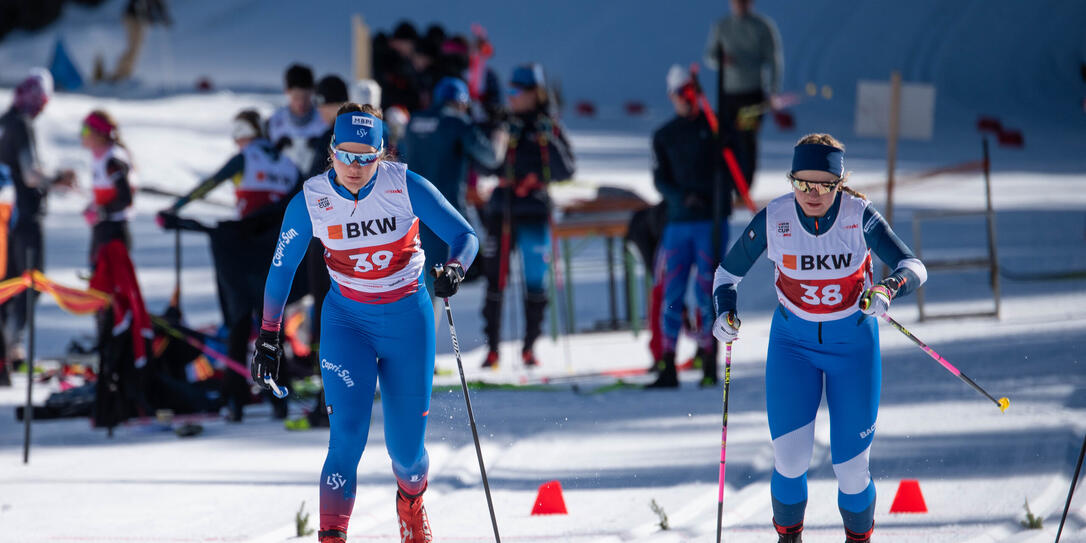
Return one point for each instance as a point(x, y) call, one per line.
point(815, 156)
point(357, 127)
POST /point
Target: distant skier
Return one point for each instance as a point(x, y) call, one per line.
point(19, 152)
point(820, 238)
point(124, 327)
point(441, 143)
point(378, 323)
point(112, 180)
point(518, 213)
point(263, 179)
point(292, 126)
point(752, 66)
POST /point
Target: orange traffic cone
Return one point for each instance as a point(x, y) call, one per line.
point(549, 500)
point(908, 498)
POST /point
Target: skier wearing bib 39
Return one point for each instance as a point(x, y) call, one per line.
point(820, 239)
point(377, 321)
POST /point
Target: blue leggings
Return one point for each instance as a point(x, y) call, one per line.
point(687, 245)
point(802, 355)
point(361, 343)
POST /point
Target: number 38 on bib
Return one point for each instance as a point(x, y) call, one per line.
point(819, 277)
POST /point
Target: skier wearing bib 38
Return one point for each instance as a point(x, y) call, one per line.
point(820, 239)
point(377, 321)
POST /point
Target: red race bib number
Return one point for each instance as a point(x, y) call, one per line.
point(822, 296)
point(365, 262)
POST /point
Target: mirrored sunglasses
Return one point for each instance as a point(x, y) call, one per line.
point(817, 187)
point(363, 159)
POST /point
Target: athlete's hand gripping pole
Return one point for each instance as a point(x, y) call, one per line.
point(1002, 403)
point(723, 440)
point(438, 272)
point(265, 365)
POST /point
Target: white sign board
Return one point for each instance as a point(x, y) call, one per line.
point(873, 110)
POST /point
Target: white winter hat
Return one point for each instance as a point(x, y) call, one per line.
point(677, 78)
point(366, 91)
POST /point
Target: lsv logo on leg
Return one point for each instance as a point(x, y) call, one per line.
point(336, 481)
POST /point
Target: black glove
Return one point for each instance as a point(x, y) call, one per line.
point(448, 279)
point(283, 143)
point(266, 358)
point(167, 219)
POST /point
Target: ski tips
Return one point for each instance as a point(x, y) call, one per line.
point(1004, 403)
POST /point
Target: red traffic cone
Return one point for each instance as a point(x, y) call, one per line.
point(549, 500)
point(908, 498)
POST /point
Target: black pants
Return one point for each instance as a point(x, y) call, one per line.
point(535, 296)
point(105, 232)
point(23, 236)
point(743, 133)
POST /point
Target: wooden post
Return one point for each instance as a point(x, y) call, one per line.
point(360, 38)
point(891, 142)
point(990, 216)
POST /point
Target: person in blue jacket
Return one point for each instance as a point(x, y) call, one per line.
point(377, 323)
point(441, 143)
point(824, 334)
point(686, 170)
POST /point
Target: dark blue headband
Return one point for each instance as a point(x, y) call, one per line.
point(357, 127)
point(815, 156)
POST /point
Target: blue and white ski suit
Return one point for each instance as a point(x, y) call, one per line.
point(377, 321)
point(819, 339)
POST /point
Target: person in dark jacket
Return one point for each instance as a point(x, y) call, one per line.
point(518, 213)
point(19, 152)
point(686, 165)
point(263, 182)
point(394, 69)
point(440, 144)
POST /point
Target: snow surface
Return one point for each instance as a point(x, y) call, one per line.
point(613, 451)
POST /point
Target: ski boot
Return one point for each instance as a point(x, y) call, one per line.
point(789, 534)
point(414, 525)
point(529, 359)
point(853, 537)
point(669, 376)
point(491, 360)
point(708, 359)
point(332, 536)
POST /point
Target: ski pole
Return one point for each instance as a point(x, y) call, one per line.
point(1071, 491)
point(471, 418)
point(277, 391)
point(1002, 403)
point(177, 268)
point(723, 441)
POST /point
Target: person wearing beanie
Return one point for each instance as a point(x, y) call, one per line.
point(518, 213)
point(441, 143)
point(292, 126)
point(686, 170)
point(19, 151)
point(824, 338)
point(395, 71)
point(331, 94)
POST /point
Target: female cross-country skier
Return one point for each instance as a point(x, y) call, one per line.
point(376, 321)
point(111, 181)
point(825, 330)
